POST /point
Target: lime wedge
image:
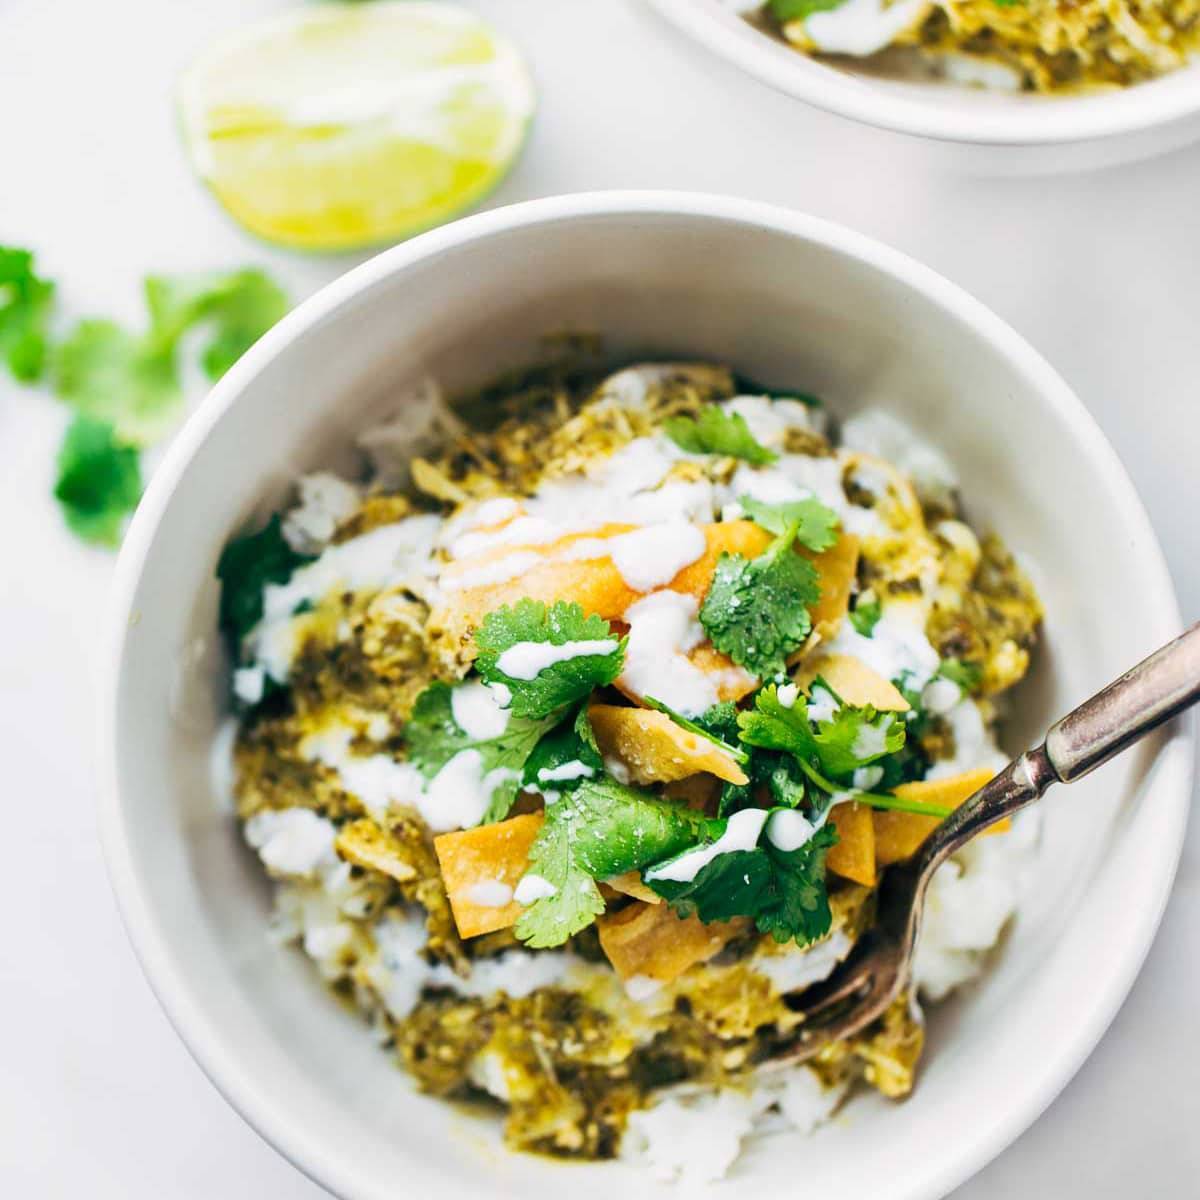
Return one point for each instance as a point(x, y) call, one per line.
point(342, 126)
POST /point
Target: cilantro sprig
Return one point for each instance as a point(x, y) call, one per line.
point(865, 615)
point(828, 752)
point(132, 380)
point(718, 430)
point(601, 829)
point(783, 891)
point(434, 737)
point(26, 302)
point(568, 743)
point(757, 609)
point(797, 10)
point(246, 566)
point(99, 481)
point(507, 632)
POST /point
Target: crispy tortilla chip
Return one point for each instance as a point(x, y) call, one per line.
point(652, 942)
point(630, 884)
point(365, 844)
point(479, 864)
point(855, 682)
point(655, 749)
point(854, 855)
point(898, 834)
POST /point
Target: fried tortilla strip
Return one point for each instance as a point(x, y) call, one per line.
point(855, 682)
point(365, 844)
point(898, 834)
point(854, 855)
point(652, 942)
point(655, 749)
point(630, 884)
point(548, 573)
point(479, 864)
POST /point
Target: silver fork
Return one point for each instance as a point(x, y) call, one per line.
point(880, 966)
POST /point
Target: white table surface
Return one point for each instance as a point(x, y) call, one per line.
point(1101, 272)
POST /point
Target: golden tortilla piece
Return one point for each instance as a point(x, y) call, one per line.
point(651, 941)
point(854, 855)
point(854, 682)
point(478, 864)
point(655, 749)
point(898, 834)
point(365, 844)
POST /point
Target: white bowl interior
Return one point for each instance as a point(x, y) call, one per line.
point(788, 302)
point(937, 109)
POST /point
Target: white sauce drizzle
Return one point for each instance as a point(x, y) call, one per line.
point(788, 830)
point(862, 27)
point(822, 706)
point(741, 833)
point(527, 660)
point(477, 711)
point(564, 771)
point(646, 558)
point(662, 628)
point(533, 887)
point(489, 893)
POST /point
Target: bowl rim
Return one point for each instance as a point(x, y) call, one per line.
point(1059, 120)
point(194, 1020)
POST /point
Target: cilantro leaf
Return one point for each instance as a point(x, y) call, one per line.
point(797, 10)
point(99, 481)
point(815, 524)
point(853, 737)
point(700, 730)
point(132, 380)
point(599, 830)
point(576, 901)
point(240, 306)
point(718, 431)
point(833, 747)
point(745, 386)
point(756, 610)
point(570, 743)
point(25, 304)
point(783, 891)
point(109, 374)
point(434, 737)
point(515, 641)
point(246, 566)
point(967, 675)
point(864, 616)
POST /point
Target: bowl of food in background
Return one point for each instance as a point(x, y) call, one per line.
point(989, 84)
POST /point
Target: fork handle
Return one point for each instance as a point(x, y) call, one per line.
point(1154, 691)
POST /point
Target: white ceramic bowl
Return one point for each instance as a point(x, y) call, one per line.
point(787, 299)
point(990, 131)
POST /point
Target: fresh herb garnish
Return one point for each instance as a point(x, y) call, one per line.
point(237, 306)
point(864, 616)
point(505, 633)
point(718, 430)
point(99, 481)
point(570, 742)
point(967, 675)
point(25, 303)
point(246, 566)
point(599, 830)
point(783, 891)
point(814, 523)
point(828, 752)
point(756, 610)
point(797, 10)
point(132, 380)
point(434, 737)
